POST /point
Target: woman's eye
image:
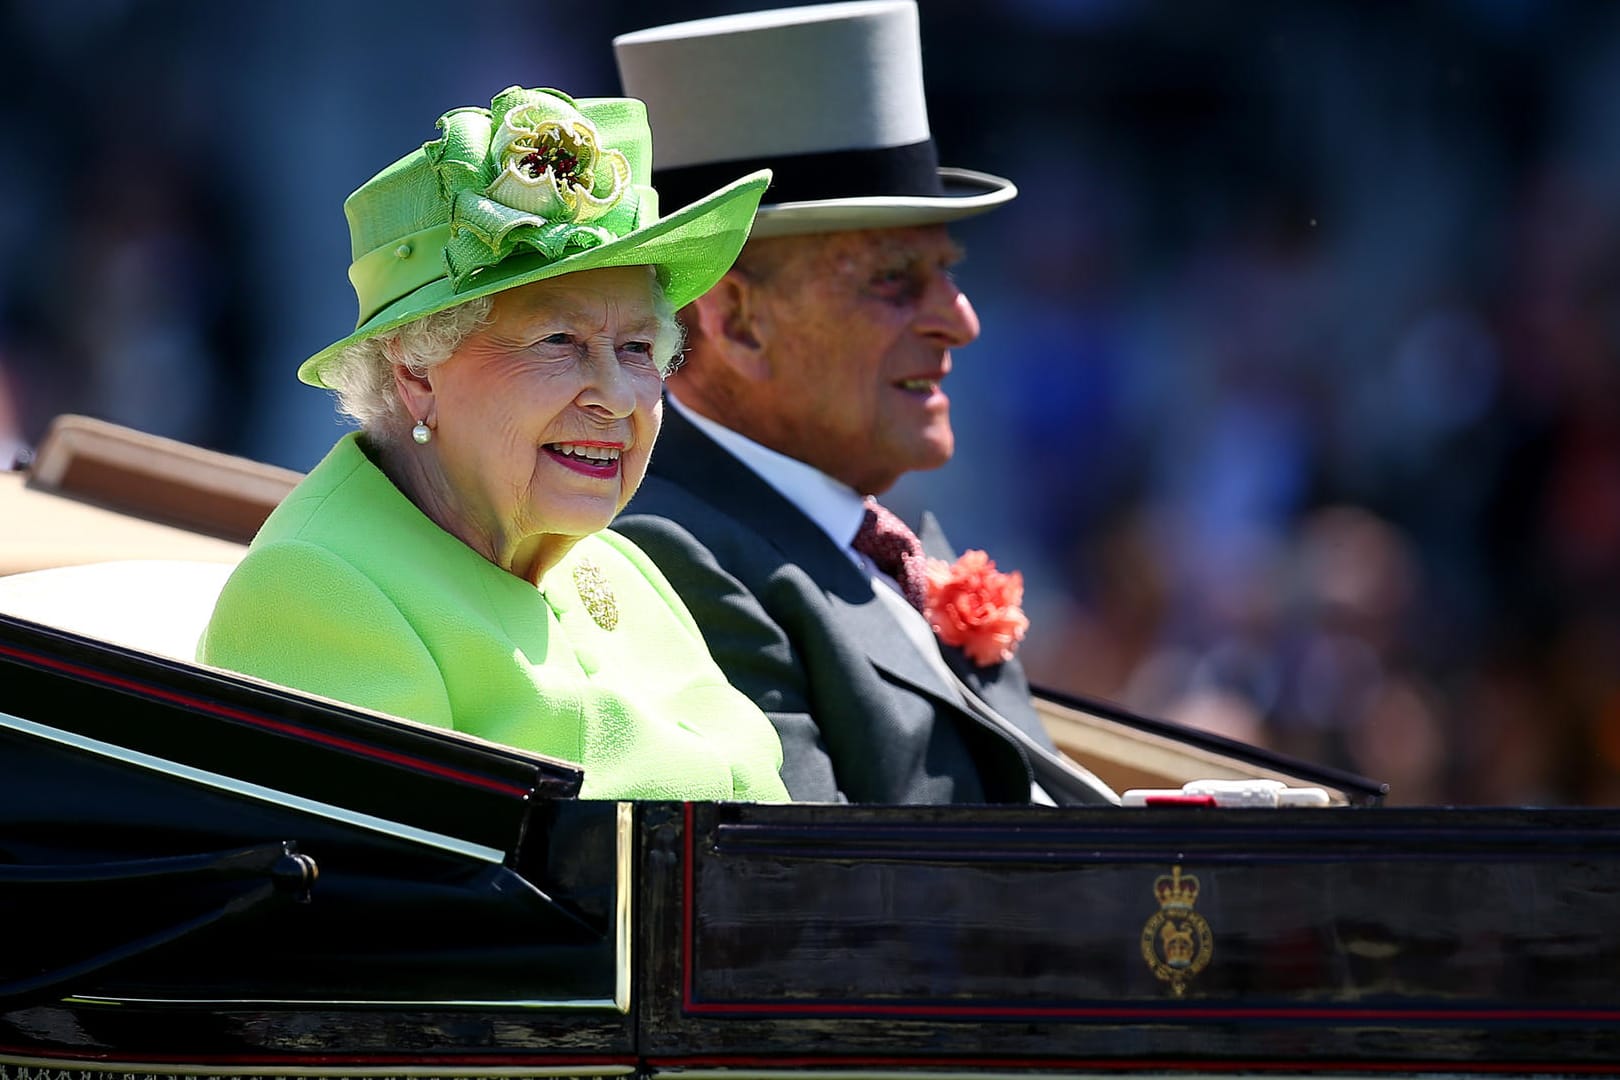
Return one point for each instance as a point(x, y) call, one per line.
point(561, 338)
point(642, 347)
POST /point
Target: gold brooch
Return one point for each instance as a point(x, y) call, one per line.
point(596, 594)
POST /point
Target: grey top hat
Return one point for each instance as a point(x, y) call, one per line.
point(829, 97)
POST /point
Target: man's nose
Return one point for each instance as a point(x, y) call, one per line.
point(947, 314)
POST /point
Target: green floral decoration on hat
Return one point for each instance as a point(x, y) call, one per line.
point(527, 172)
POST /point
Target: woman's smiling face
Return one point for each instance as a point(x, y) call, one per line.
point(545, 417)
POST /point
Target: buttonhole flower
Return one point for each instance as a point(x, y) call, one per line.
point(974, 606)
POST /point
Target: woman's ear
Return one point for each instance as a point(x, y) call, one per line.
point(731, 319)
point(415, 394)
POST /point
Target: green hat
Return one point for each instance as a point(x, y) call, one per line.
point(536, 186)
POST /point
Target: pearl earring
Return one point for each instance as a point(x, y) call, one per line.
point(421, 433)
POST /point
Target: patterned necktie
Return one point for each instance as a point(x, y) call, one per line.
point(889, 543)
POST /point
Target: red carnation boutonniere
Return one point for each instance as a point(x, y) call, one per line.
point(974, 606)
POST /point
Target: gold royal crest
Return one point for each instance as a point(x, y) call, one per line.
point(1176, 941)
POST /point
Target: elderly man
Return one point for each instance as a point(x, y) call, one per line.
point(812, 382)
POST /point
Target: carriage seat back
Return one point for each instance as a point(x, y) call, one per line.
point(155, 605)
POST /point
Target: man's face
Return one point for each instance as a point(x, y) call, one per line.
point(857, 328)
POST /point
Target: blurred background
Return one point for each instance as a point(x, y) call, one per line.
point(1297, 403)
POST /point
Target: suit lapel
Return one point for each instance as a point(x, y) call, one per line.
point(1002, 688)
point(688, 457)
point(1004, 699)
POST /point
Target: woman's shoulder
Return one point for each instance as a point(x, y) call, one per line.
point(616, 557)
point(349, 506)
point(610, 546)
point(312, 499)
point(626, 568)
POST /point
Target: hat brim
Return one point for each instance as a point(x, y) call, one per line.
point(966, 193)
point(691, 249)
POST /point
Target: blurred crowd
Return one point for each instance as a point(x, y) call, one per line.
point(1298, 398)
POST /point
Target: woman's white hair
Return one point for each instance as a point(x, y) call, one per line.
point(363, 374)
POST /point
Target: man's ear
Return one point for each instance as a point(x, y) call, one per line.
point(731, 319)
point(416, 394)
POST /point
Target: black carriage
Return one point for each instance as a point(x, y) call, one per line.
point(205, 875)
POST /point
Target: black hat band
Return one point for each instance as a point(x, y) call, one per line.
point(911, 170)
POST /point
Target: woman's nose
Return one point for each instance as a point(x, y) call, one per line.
point(609, 389)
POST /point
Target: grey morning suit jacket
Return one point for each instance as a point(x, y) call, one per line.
point(795, 625)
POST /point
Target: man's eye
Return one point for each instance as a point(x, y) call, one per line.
point(643, 347)
point(896, 286)
point(561, 338)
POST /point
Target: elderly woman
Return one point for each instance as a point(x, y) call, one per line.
point(450, 562)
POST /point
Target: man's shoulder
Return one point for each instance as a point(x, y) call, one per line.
point(703, 510)
point(663, 496)
point(675, 512)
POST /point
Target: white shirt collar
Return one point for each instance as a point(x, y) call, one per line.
point(836, 508)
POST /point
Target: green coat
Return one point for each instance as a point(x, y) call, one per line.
point(349, 591)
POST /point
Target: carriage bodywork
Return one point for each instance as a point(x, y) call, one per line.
point(204, 875)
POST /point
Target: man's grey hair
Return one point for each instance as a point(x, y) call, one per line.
point(363, 374)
